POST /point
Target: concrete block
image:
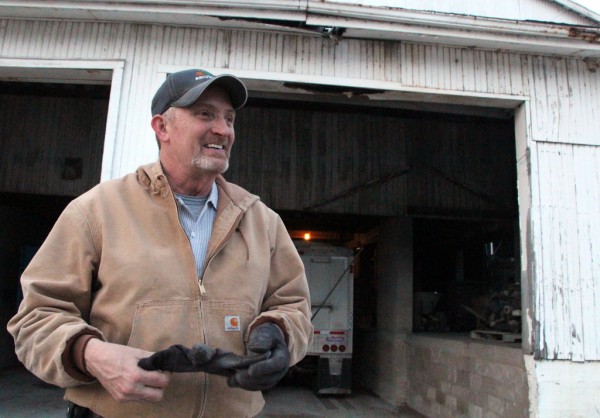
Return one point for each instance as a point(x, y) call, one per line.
point(462, 378)
point(498, 388)
point(462, 407)
point(446, 412)
point(416, 401)
point(451, 402)
point(461, 363)
point(483, 367)
point(517, 411)
point(455, 347)
point(440, 371)
point(517, 378)
point(431, 394)
point(496, 405)
point(401, 388)
point(460, 392)
point(436, 409)
point(476, 380)
point(509, 355)
point(475, 411)
point(440, 397)
point(478, 398)
point(446, 387)
point(481, 348)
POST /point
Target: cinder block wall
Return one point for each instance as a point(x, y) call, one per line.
point(454, 376)
point(383, 366)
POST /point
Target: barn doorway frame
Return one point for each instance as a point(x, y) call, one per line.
point(75, 72)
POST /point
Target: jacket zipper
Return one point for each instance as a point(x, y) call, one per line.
point(201, 286)
point(219, 248)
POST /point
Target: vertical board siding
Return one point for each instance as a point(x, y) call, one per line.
point(462, 165)
point(564, 108)
point(446, 68)
point(565, 97)
point(425, 163)
point(586, 163)
point(567, 298)
point(315, 155)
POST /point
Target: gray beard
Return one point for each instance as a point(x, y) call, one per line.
point(210, 164)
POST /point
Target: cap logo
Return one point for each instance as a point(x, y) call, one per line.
point(200, 74)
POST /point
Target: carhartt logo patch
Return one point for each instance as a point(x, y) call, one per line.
point(232, 323)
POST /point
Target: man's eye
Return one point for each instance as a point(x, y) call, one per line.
point(204, 114)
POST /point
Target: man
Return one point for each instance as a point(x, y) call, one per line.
point(175, 260)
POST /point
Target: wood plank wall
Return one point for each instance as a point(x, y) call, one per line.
point(39, 133)
point(374, 162)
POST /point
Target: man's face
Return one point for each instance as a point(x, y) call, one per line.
point(202, 135)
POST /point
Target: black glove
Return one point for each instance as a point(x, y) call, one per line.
point(264, 374)
point(199, 358)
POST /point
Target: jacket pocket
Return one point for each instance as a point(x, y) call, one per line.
point(160, 324)
point(225, 324)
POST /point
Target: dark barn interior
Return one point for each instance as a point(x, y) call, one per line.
point(342, 171)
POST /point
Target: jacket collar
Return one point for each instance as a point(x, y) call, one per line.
point(153, 177)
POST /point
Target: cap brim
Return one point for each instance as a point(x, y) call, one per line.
point(232, 85)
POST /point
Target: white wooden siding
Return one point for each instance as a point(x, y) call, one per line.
point(567, 101)
point(563, 122)
point(567, 265)
point(537, 10)
point(446, 68)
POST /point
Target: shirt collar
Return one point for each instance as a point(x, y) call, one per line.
point(213, 197)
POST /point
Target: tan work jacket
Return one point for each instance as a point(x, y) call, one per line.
point(118, 262)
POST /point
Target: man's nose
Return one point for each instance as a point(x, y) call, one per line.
point(220, 126)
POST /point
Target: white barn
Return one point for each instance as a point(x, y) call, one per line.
point(534, 64)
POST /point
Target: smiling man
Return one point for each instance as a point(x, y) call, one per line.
point(168, 292)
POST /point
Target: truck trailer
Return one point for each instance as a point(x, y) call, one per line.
point(331, 282)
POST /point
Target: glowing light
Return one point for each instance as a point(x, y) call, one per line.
point(307, 236)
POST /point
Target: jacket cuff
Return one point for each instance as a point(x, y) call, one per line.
point(73, 357)
point(277, 321)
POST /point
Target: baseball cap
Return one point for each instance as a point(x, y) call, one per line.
point(183, 88)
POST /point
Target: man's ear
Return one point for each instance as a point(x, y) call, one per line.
point(159, 125)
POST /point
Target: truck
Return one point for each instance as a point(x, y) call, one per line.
point(329, 270)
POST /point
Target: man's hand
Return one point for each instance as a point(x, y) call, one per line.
point(115, 367)
point(199, 358)
point(264, 374)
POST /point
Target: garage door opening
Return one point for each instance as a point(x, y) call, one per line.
point(52, 144)
point(347, 171)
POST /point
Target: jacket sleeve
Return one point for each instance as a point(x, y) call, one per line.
point(57, 289)
point(287, 299)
